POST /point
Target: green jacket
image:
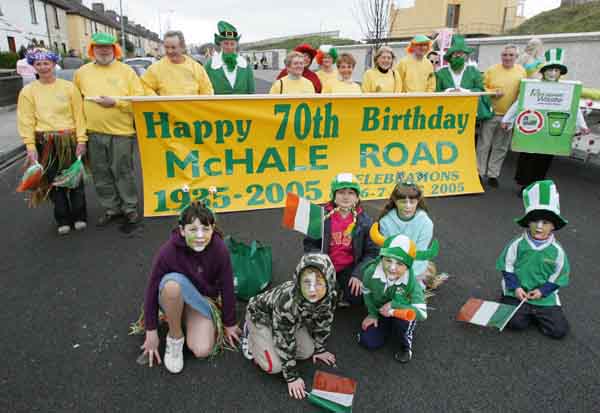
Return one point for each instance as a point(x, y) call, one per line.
point(404, 293)
point(471, 80)
point(244, 80)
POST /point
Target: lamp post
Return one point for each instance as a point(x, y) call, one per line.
point(122, 28)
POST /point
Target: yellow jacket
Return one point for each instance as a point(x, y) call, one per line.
point(376, 82)
point(169, 79)
point(508, 81)
point(287, 86)
point(416, 75)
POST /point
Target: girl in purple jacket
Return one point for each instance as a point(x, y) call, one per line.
point(192, 265)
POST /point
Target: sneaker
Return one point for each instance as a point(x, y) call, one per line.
point(107, 218)
point(403, 356)
point(493, 182)
point(244, 343)
point(80, 225)
point(174, 354)
point(64, 230)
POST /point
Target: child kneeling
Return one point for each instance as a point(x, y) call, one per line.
point(390, 286)
point(534, 265)
point(292, 322)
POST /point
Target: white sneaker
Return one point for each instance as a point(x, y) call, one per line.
point(244, 343)
point(174, 354)
point(64, 230)
point(80, 225)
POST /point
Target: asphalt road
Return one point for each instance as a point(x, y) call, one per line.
point(67, 303)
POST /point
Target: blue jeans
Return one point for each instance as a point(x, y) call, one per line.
point(189, 292)
point(400, 330)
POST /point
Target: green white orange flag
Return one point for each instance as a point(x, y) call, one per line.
point(486, 313)
point(303, 216)
point(332, 393)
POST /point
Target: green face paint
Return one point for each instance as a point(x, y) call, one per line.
point(457, 63)
point(312, 285)
point(196, 235)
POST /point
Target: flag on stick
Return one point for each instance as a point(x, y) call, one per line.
point(333, 393)
point(303, 216)
point(486, 313)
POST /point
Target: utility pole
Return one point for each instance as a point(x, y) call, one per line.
point(122, 29)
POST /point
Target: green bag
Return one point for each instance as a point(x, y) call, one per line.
point(252, 267)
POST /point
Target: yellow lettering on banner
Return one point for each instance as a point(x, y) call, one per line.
point(254, 151)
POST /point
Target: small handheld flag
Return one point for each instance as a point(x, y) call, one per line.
point(303, 216)
point(332, 393)
point(486, 313)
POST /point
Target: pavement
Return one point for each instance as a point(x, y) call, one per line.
point(67, 303)
point(11, 144)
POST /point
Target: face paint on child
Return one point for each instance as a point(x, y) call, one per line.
point(393, 268)
point(196, 235)
point(540, 229)
point(313, 285)
point(406, 205)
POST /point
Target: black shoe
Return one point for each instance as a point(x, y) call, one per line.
point(493, 182)
point(108, 218)
point(132, 220)
point(403, 356)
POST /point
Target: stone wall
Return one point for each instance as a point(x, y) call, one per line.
point(10, 86)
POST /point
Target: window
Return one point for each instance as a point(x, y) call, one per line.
point(521, 9)
point(1, 14)
point(453, 15)
point(34, 19)
point(56, 21)
point(95, 27)
point(85, 28)
point(12, 45)
point(64, 48)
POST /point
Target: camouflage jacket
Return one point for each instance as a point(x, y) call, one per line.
point(285, 310)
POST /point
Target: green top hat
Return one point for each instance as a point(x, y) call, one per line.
point(555, 58)
point(458, 45)
point(226, 32)
point(541, 201)
point(101, 38)
point(344, 180)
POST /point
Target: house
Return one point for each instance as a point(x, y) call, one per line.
point(467, 17)
point(22, 22)
point(83, 23)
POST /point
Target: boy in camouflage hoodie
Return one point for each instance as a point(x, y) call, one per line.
point(293, 321)
point(390, 285)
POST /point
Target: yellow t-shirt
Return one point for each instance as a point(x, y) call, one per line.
point(325, 77)
point(115, 79)
point(376, 82)
point(416, 75)
point(340, 86)
point(49, 107)
point(170, 79)
point(287, 86)
point(507, 80)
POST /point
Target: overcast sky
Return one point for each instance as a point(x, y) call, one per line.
point(258, 19)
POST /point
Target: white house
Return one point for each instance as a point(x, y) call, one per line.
point(22, 21)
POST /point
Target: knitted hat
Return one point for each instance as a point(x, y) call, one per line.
point(344, 180)
point(419, 39)
point(458, 45)
point(226, 32)
point(554, 59)
point(104, 39)
point(326, 49)
point(541, 201)
point(403, 249)
point(306, 48)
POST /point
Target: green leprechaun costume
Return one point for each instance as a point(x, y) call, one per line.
point(229, 73)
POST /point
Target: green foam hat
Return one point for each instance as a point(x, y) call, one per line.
point(541, 201)
point(554, 58)
point(226, 31)
point(420, 38)
point(342, 181)
point(403, 249)
point(100, 38)
point(458, 45)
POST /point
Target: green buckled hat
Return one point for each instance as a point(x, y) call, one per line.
point(458, 45)
point(344, 180)
point(226, 32)
point(555, 58)
point(403, 249)
point(541, 201)
point(100, 38)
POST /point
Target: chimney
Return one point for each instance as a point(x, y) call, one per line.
point(111, 14)
point(98, 7)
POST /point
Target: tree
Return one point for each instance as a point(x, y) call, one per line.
point(375, 18)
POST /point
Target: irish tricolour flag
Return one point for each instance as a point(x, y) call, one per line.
point(303, 216)
point(486, 313)
point(332, 393)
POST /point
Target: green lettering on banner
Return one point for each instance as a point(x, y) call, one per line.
point(441, 159)
point(151, 123)
point(207, 167)
point(314, 156)
point(202, 129)
point(173, 161)
point(285, 109)
point(223, 129)
point(370, 121)
point(265, 162)
point(182, 130)
point(449, 121)
point(435, 121)
point(422, 153)
point(332, 123)
point(387, 158)
point(368, 151)
point(230, 161)
point(302, 126)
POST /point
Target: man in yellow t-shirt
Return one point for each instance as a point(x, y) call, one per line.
point(415, 70)
point(293, 83)
point(110, 128)
point(504, 79)
point(176, 73)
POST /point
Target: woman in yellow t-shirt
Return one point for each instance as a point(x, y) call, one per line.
point(344, 83)
point(293, 83)
point(327, 56)
point(51, 123)
point(382, 78)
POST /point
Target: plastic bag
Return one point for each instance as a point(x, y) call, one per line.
point(252, 267)
point(70, 177)
point(32, 178)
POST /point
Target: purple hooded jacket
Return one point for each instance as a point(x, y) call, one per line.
point(209, 270)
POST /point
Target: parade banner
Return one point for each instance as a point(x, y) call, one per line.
point(547, 116)
point(247, 152)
